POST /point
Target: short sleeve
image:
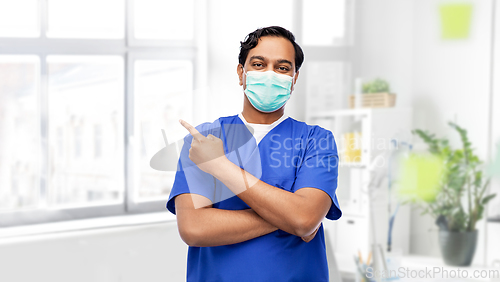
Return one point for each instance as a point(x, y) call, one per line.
point(319, 167)
point(189, 178)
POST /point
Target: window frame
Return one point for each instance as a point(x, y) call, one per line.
point(132, 41)
point(132, 140)
point(338, 52)
point(129, 49)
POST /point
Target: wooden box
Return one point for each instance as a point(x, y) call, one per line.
point(374, 100)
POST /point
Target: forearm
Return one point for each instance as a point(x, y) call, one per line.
point(287, 211)
point(215, 227)
point(297, 213)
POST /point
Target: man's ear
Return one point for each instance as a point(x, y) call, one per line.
point(239, 70)
point(295, 77)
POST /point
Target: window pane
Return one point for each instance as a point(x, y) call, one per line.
point(85, 130)
point(20, 132)
point(86, 19)
point(163, 95)
point(324, 22)
point(327, 83)
point(260, 19)
point(164, 19)
point(19, 18)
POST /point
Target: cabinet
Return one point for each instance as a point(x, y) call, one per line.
point(382, 133)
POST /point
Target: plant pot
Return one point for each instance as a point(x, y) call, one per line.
point(458, 248)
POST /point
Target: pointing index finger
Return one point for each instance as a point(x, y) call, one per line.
point(192, 130)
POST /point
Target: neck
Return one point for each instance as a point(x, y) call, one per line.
point(252, 115)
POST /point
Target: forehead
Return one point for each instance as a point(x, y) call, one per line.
point(273, 48)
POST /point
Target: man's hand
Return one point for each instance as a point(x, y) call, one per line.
point(206, 152)
point(308, 239)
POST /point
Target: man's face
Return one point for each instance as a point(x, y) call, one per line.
point(272, 53)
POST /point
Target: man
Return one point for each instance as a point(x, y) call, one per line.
point(252, 189)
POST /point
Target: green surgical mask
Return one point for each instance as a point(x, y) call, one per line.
point(268, 91)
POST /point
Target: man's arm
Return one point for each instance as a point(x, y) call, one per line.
point(309, 238)
point(209, 227)
point(298, 213)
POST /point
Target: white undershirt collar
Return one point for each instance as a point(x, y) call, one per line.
point(261, 130)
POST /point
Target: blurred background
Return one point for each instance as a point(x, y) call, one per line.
point(87, 86)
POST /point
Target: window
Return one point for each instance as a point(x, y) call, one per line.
point(327, 39)
point(324, 22)
point(85, 92)
point(20, 150)
point(154, 80)
point(167, 20)
point(86, 89)
point(86, 19)
point(97, 140)
point(20, 18)
point(91, 90)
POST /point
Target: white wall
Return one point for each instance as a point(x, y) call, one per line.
point(495, 136)
point(228, 23)
point(384, 42)
point(143, 253)
point(441, 80)
point(494, 227)
point(451, 83)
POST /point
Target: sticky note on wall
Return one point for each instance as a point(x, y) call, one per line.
point(455, 20)
point(420, 177)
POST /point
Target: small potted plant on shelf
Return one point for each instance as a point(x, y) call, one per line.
point(376, 94)
point(460, 196)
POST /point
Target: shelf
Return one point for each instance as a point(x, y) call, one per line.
point(354, 112)
point(371, 131)
point(345, 112)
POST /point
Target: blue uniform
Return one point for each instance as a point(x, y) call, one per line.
point(291, 156)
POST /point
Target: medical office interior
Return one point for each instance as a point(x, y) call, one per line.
point(86, 88)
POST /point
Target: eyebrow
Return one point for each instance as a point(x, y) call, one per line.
point(257, 58)
point(280, 61)
point(283, 61)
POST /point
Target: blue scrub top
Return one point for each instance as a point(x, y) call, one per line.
point(291, 156)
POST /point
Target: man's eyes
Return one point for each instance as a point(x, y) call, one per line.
point(280, 68)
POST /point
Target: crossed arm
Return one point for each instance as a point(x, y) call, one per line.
point(298, 213)
point(209, 227)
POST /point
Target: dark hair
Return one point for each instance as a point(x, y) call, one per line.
point(252, 39)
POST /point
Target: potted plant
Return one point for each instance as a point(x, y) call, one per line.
point(460, 197)
point(376, 94)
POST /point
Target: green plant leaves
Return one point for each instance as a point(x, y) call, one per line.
point(376, 86)
point(488, 198)
point(461, 179)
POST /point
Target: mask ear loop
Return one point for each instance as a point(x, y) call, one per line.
point(244, 73)
point(293, 79)
point(243, 78)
